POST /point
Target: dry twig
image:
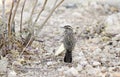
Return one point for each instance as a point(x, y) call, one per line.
point(41, 26)
point(30, 26)
point(30, 19)
point(3, 13)
point(26, 46)
point(40, 12)
point(22, 16)
point(14, 13)
point(32, 12)
point(9, 20)
point(53, 9)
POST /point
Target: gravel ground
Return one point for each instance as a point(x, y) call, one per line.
point(97, 51)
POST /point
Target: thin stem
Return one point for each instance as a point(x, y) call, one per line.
point(32, 12)
point(9, 19)
point(42, 25)
point(14, 13)
point(30, 19)
point(3, 13)
point(26, 46)
point(22, 16)
point(40, 12)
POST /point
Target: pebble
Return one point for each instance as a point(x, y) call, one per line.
point(49, 63)
point(110, 21)
point(3, 64)
point(77, 14)
point(12, 74)
point(70, 5)
point(88, 67)
point(103, 69)
point(84, 63)
point(79, 67)
point(95, 63)
point(117, 37)
point(72, 71)
point(97, 51)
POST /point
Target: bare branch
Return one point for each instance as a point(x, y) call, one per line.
point(14, 13)
point(22, 16)
point(9, 19)
point(40, 12)
point(30, 41)
point(3, 13)
point(41, 26)
point(32, 12)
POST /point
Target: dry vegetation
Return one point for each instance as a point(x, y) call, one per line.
point(14, 45)
point(31, 33)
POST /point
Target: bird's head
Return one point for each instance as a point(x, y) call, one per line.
point(67, 27)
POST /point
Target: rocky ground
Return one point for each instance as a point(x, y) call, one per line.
point(97, 51)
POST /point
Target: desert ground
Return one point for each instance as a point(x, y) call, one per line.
point(96, 25)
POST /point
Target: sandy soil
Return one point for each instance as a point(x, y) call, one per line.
point(97, 51)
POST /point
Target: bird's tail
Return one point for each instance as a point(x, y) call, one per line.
point(68, 57)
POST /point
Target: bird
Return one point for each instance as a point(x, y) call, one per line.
point(69, 43)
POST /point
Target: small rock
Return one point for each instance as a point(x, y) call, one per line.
point(77, 14)
point(12, 74)
point(79, 67)
point(60, 69)
point(95, 63)
point(97, 51)
point(71, 5)
point(84, 63)
point(72, 71)
point(88, 67)
point(49, 63)
point(59, 50)
point(3, 64)
point(117, 37)
point(112, 23)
